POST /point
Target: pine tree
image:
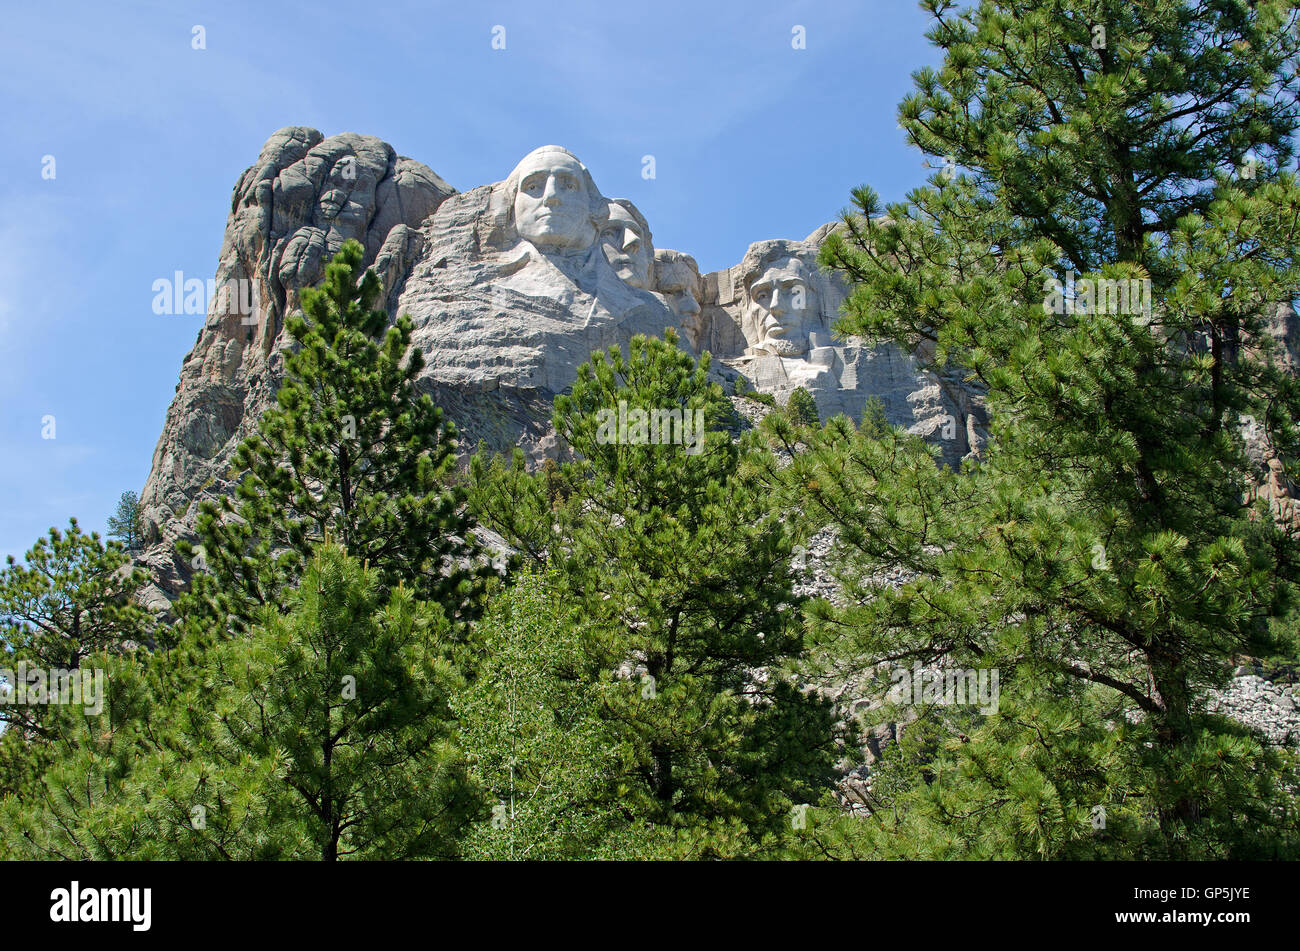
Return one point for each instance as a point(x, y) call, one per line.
point(348, 692)
point(107, 782)
point(1102, 554)
point(71, 598)
point(674, 564)
point(325, 733)
point(352, 450)
point(70, 602)
point(802, 408)
point(535, 740)
point(126, 523)
point(505, 496)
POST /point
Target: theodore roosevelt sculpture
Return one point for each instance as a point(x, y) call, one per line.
point(628, 245)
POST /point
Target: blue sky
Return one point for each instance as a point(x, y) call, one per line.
point(752, 140)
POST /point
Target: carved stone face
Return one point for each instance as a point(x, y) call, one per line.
point(680, 285)
point(552, 207)
point(780, 306)
point(338, 188)
point(626, 247)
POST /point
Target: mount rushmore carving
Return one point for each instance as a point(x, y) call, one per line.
point(511, 286)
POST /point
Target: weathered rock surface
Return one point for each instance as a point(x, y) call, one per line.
point(511, 285)
point(1266, 706)
point(1265, 702)
point(290, 212)
point(771, 317)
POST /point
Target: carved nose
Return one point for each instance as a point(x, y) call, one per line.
point(630, 242)
point(551, 195)
point(689, 304)
point(776, 307)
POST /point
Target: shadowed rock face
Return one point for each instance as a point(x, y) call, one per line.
point(289, 213)
point(511, 286)
point(678, 281)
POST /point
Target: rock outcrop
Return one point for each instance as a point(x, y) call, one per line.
point(511, 286)
point(771, 318)
point(289, 214)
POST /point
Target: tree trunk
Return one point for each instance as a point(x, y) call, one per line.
point(1173, 695)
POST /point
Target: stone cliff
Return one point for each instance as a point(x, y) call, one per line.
point(511, 286)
